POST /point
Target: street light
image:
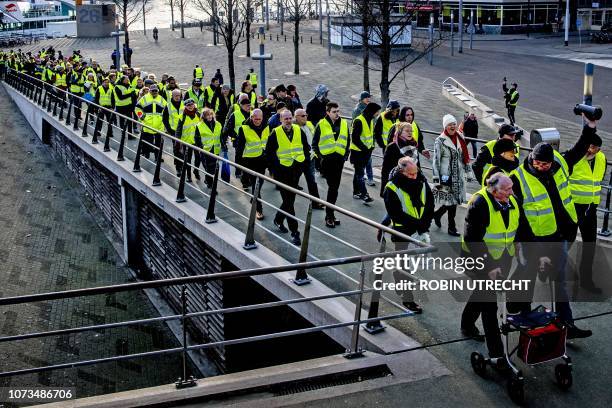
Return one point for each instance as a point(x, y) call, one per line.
point(117, 34)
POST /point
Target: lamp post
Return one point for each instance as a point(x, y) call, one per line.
point(117, 34)
point(567, 17)
point(460, 26)
point(262, 57)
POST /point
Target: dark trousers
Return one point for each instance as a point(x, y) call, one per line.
point(484, 304)
point(124, 124)
point(257, 164)
point(291, 177)
point(331, 168)
point(89, 114)
point(360, 161)
point(208, 163)
point(587, 222)
point(511, 110)
point(452, 212)
point(108, 116)
point(153, 141)
point(310, 178)
point(407, 295)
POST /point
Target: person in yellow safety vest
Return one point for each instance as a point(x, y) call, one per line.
point(195, 91)
point(209, 132)
point(222, 103)
point(247, 88)
point(287, 152)
point(504, 159)
point(198, 72)
point(149, 110)
point(491, 223)
point(187, 132)
point(125, 97)
point(482, 164)
point(585, 185)
point(208, 94)
point(385, 122)
point(76, 86)
point(250, 151)
point(236, 119)
point(307, 128)
point(511, 97)
point(362, 144)
point(330, 144)
point(541, 187)
point(60, 80)
point(90, 86)
point(170, 116)
point(410, 205)
point(104, 98)
point(252, 78)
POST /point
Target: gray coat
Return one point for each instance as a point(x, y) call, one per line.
point(447, 161)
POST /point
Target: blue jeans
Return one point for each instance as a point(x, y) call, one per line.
point(368, 170)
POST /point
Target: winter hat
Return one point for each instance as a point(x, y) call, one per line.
point(543, 152)
point(596, 140)
point(447, 120)
point(506, 129)
point(363, 95)
point(503, 145)
point(393, 105)
point(321, 90)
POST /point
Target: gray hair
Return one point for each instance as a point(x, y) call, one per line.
point(497, 181)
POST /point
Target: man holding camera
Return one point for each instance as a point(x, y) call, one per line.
point(548, 217)
point(511, 97)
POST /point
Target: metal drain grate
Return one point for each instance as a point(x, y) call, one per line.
point(331, 380)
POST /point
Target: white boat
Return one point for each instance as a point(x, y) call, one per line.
point(41, 18)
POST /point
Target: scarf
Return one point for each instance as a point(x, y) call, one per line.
point(464, 151)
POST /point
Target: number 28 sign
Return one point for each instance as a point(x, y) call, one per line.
point(89, 16)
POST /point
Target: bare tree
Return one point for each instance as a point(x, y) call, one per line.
point(182, 4)
point(248, 14)
point(172, 4)
point(129, 11)
point(297, 12)
point(385, 28)
point(224, 14)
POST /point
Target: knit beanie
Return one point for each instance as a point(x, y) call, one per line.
point(543, 152)
point(447, 120)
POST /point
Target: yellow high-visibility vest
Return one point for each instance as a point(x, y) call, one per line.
point(585, 183)
point(289, 151)
point(254, 144)
point(367, 137)
point(328, 144)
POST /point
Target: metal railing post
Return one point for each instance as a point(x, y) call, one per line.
point(136, 168)
point(354, 349)
point(301, 278)
point(184, 381)
point(158, 162)
point(94, 138)
point(107, 141)
point(210, 212)
point(249, 239)
point(180, 193)
point(604, 231)
point(121, 145)
point(69, 110)
point(55, 101)
point(376, 326)
point(62, 103)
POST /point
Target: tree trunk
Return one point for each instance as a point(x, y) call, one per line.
point(385, 55)
point(127, 35)
point(366, 49)
point(182, 8)
point(172, 13)
point(229, 45)
point(230, 66)
point(296, 41)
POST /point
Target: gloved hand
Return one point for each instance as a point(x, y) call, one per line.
point(444, 178)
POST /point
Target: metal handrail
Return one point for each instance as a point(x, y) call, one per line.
point(458, 85)
point(303, 194)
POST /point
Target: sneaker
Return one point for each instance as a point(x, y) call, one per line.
point(371, 183)
point(367, 199)
point(329, 223)
point(575, 333)
point(413, 307)
point(189, 180)
point(318, 206)
point(259, 215)
point(337, 222)
point(281, 227)
point(357, 196)
point(472, 332)
point(196, 173)
point(295, 238)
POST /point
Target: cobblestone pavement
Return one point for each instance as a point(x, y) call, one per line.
point(50, 242)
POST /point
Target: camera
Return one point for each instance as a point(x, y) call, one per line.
point(591, 112)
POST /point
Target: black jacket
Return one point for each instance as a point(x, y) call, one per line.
point(317, 136)
point(392, 155)
point(393, 205)
point(470, 128)
point(566, 228)
point(316, 109)
point(477, 220)
point(241, 140)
